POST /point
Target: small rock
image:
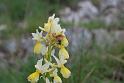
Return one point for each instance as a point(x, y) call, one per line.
point(109, 3)
point(3, 27)
point(85, 12)
point(10, 45)
point(103, 38)
point(119, 36)
point(27, 43)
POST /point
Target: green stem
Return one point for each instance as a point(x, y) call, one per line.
point(49, 53)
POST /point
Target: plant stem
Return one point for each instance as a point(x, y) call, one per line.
point(49, 53)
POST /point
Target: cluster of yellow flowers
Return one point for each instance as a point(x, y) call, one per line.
point(49, 40)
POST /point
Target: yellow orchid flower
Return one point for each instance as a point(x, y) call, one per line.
point(51, 38)
point(52, 25)
point(39, 48)
point(61, 61)
point(63, 70)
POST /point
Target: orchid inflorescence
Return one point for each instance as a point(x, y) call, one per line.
point(49, 40)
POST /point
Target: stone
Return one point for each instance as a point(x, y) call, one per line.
point(3, 27)
point(10, 45)
point(103, 38)
point(86, 11)
point(107, 12)
point(109, 3)
point(27, 43)
point(119, 36)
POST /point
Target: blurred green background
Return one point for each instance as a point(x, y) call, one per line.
point(95, 29)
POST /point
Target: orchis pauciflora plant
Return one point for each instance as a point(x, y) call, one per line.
point(50, 39)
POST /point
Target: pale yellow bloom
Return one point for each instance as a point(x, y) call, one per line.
point(34, 77)
point(52, 25)
point(61, 61)
point(63, 52)
point(37, 47)
point(52, 36)
point(65, 72)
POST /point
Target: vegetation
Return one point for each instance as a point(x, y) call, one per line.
point(30, 14)
point(86, 67)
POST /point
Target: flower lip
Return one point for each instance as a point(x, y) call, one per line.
point(37, 47)
point(65, 72)
point(34, 77)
